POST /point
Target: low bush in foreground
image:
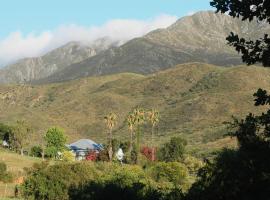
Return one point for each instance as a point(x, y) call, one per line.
point(98, 181)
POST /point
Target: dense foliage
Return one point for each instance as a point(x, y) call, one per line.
point(89, 180)
point(242, 174)
point(36, 151)
point(55, 141)
point(173, 150)
point(252, 51)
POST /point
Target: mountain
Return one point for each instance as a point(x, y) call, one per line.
point(193, 99)
point(197, 38)
point(30, 69)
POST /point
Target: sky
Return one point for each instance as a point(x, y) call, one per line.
point(31, 28)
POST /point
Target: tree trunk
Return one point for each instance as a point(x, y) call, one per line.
point(43, 153)
point(138, 145)
point(152, 144)
point(110, 150)
point(131, 142)
point(21, 151)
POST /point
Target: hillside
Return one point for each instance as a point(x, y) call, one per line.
point(197, 38)
point(30, 69)
point(194, 100)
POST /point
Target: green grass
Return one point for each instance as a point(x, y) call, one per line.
point(193, 99)
point(15, 164)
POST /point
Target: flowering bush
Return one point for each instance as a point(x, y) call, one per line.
point(91, 156)
point(149, 153)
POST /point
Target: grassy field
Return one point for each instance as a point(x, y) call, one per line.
point(15, 164)
point(193, 99)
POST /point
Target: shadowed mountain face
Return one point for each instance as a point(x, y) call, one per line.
point(197, 38)
point(29, 69)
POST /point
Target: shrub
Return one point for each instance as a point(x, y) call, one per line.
point(172, 172)
point(36, 151)
point(91, 156)
point(148, 152)
point(68, 156)
point(173, 150)
point(103, 156)
point(193, 164)
point(98, 181)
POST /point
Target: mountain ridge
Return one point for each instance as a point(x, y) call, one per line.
point(196, 38)
point(30, 69)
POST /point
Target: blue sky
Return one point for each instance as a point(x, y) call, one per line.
point(38, 15)
point(31, 28)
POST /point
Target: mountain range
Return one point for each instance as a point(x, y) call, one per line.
point(196, 38)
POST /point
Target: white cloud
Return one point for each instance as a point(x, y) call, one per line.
point(191, 13)
point(16, 45)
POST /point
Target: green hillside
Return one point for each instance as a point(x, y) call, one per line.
point(194, 100)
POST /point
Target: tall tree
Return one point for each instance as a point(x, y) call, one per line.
point(131, 126)
point(139, 119)
point(252, 51)
point(242, 174)
point(55, 141)
point(20, 135)
point(110, 121)
point(153, 118)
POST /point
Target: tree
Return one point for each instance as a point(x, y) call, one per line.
point(139, 119)
point(252, 51)
point(153, 118)
point(131, 124)
point(55, 141)
point(20, 135)
point(173, 150)
point(110, 121)
point(242, 174)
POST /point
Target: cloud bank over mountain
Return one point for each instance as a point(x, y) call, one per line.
point(18, 45)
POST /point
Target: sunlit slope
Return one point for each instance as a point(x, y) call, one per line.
point(193, 99)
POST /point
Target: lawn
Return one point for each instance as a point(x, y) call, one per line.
point(16, 164)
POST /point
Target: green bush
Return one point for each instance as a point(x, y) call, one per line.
point(36, 151)
point(173, 150)
point(103, 181)
point(171, 173)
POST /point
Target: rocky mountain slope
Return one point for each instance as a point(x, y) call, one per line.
point(193, 99)
point(197, 38)
point(30, 69)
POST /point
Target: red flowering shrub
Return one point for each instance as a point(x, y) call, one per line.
point(91, 156)
point(149, 153)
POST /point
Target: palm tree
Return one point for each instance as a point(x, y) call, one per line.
point(131, 126)
point(139, 119)
point(153, 118)
point(110, 121)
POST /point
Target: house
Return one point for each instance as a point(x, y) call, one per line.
point(82, 147)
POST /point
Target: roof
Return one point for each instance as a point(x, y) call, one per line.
point(85, 144)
